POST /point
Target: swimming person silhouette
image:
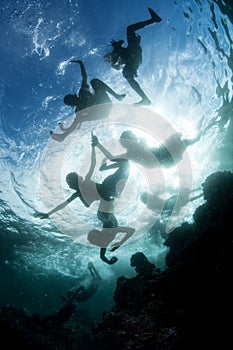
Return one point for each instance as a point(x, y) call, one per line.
point(166, 155)
point(155, 202)
point(85, 99)
point(81, 293)
point(89, 191)
point(131, 56)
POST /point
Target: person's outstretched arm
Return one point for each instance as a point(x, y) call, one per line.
point(54, 210)
point(57, 208)
point(95, 142)
point(93, 162)
point(83, 72)
point(94, 273)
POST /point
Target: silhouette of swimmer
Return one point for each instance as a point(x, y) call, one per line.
point(89, 191)
point(83, 293)
point(72, 298)
point(156, 203)
point(85, 99)
point(131, 56)
point(102, 238)
point(166, 155)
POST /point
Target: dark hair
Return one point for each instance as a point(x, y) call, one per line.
point(116, 44)
point(72, 178)
point(117, 51)
point(128, 135)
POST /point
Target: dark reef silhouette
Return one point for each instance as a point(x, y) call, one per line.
point(177, 308)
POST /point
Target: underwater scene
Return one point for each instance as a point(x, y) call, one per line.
point(116, 163)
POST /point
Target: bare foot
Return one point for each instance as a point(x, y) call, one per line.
point(57, 137)
point(143, 102)
point(121, 97)
point(154, 15)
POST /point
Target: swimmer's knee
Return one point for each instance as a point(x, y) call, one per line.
point(130, 29)
point(127, 75)
point(95, 83)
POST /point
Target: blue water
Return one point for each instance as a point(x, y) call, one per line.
point(187, 73)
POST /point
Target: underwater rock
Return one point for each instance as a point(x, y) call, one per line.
point(176, 310)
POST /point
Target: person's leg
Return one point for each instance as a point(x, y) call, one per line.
point(61, 137)
point(93, 112)
point(101, 88)
point(61, 126)
point(108, 219)
point(154, 18)
point(113, 260)
point(94, 273)
point(106, 166)
point(145, 101)
point(190, 142)
point(201, 133)
point(130, 69)
point(114, 184)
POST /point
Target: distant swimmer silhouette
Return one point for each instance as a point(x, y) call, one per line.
point(156, 203)
point(166, 155)
point(73, 297)
point(85, 99)
point(83, 293)
point(131, 56)
point(89, 191)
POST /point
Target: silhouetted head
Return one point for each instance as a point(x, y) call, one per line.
point(116, 44)
point(72, 180)
point(116, 57)
point(127, 136)
point(116, 51)
point(71, 100)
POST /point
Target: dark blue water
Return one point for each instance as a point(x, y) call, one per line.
point(186, 71)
